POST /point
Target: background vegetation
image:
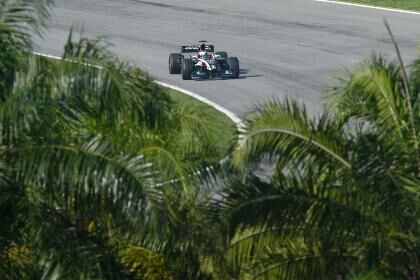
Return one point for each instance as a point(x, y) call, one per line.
point(413, 5)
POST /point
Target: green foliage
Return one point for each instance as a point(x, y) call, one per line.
point(97, 164)
point(102, 176)
point(342, 195)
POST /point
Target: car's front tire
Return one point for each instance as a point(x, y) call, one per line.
point(186, 69)
point(175, 60)
point(233, 64)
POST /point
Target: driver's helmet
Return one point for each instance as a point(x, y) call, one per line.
point(203, 53)
point(203, 47)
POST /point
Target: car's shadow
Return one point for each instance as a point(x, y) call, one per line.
point(243, 74)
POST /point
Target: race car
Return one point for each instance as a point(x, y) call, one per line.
point(202, 62)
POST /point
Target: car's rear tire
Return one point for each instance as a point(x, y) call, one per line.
point(233, 64)
point(222, 55)
point(175, 60)
point(186, 69)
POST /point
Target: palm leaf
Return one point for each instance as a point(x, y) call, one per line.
point(280, 129)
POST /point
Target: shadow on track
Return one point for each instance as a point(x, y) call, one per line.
point(243, 74)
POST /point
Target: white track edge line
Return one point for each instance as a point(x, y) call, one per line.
point(232, 116)
point(370, 7)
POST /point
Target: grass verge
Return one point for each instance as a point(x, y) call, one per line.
point(221, 128)
point(413, 5)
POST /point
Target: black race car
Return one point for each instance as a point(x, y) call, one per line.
point(201, 61)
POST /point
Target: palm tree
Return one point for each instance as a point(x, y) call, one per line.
point(342, 196)
point(94, 177)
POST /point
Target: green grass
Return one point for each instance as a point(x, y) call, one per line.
point(221, 128)
point(413, 5)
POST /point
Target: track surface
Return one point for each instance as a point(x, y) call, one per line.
point(285, 47)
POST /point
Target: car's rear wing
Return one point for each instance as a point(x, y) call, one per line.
point(196, 48)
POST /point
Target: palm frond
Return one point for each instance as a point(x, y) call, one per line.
point(21, 17)
point(280, 129)
point(73, 176)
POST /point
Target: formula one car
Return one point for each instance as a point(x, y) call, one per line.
point(201, 61)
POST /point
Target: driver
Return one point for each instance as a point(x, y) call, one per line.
point(202, 54)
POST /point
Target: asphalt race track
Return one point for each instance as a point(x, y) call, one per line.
point(285, 47)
